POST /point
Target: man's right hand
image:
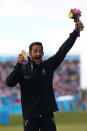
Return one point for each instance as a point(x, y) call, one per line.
point(20, 59)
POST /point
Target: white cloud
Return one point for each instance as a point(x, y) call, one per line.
point(10, 48)
point(57, 10)
point(15, 8)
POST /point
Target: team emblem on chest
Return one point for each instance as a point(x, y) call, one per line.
point(43, 71)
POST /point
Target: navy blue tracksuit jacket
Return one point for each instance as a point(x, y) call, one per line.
point(37, 97)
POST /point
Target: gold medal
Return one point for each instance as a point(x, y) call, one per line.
point(24, 54)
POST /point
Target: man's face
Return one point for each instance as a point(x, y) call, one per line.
point(36, 54)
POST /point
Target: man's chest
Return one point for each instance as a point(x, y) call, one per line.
point(35, 74)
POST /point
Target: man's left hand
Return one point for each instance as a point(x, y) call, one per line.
point(79, 26)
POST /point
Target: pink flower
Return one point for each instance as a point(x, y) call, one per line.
point(75, 14)
point(76, 11)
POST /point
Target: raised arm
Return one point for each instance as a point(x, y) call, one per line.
point(56, 59)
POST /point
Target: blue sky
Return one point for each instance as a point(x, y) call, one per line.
point(26, 21)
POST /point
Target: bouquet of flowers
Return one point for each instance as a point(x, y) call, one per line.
point(75, 14)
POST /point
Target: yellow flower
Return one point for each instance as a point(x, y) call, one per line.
point(70, 15)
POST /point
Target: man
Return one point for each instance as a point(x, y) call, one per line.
point(35, 78)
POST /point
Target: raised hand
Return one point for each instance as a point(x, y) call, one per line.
point(79, 26)
point(20, 58)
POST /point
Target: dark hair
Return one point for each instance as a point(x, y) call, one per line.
point(34, 43)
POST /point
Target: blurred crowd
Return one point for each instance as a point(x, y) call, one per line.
point(66, 82)
point(66, 79)
point(5, 91)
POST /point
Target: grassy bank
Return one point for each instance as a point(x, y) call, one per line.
point(73, 121)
